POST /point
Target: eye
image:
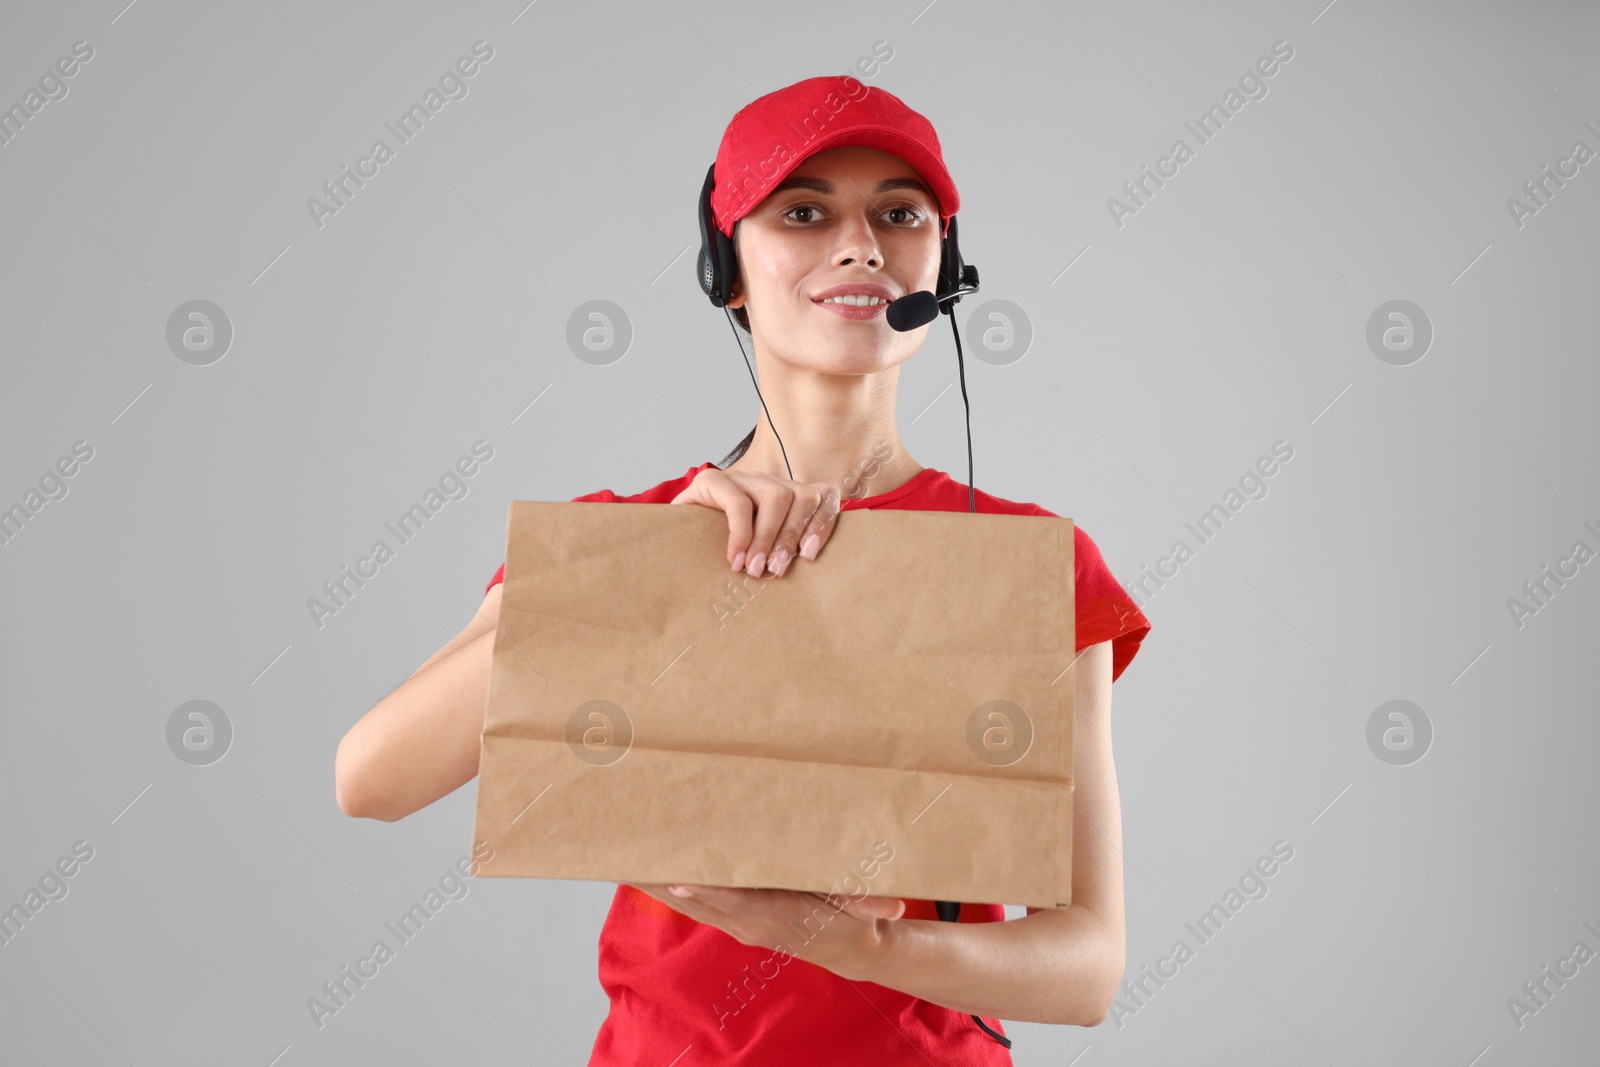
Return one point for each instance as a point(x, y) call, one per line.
point(911, 216)
point(915, 216)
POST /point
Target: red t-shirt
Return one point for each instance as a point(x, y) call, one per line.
point(681, 987)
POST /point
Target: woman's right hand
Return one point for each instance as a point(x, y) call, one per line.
point(770, 519)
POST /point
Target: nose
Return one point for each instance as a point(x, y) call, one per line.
point(858, 242)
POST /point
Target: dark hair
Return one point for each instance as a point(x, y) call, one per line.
point(738, 450)
point(740, 317)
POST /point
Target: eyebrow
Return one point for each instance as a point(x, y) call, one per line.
point(821, 186)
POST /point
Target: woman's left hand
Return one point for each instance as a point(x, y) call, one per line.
point(843, 941)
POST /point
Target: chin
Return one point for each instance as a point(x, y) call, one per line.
point(864, 356)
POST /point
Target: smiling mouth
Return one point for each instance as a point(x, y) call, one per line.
point(854, 301)
point(855, 309)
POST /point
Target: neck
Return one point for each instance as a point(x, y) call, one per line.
point(836, 429)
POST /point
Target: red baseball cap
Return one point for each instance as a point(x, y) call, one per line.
point(774, 134)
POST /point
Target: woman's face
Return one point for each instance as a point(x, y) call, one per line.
point(853, 217)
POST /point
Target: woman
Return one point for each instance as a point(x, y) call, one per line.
point(823, 235)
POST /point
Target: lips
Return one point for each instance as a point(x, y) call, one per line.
point(856, 289)
point(855, 312)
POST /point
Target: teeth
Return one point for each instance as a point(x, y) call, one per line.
point(858, 301)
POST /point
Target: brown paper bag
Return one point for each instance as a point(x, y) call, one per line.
point(905, 698)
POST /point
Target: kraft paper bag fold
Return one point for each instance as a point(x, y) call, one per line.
point(654, 717)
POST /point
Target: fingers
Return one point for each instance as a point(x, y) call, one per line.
point(771, 520)
point(820, 525)
point(881, 907)
point(794, 524)
point(871, 907)
point(793, 519)
point(663, 892)
point(878, 907)
point(808, 510)
point(716, 489)
point(773, 499)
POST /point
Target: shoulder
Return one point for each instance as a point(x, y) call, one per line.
point(1105, 610)
point(1086, 554)
point(1087, 557)
point(661, 493)
point(945, 493)
point(656, 494)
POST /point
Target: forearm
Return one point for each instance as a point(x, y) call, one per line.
point(421, 741)
point(1054, 966)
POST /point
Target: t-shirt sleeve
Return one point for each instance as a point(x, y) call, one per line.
point(1105, 611)
point(603, 496)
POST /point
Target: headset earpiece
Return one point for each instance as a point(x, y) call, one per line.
point(949, 260)
point(716, 264)
point(954, 272)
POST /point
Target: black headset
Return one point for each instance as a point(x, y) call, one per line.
point(718, 269)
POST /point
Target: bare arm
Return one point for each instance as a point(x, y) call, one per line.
point(421, 742)
point(1059, 965)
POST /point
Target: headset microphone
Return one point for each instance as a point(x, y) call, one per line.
point(917, 309)
point(912, 310)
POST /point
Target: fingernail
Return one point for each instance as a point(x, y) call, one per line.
point(738, 561)
point(779, 562)
point(808, 547)
point(682, 891)
point(756, 563)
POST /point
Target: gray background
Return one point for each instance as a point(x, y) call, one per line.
point(1229, 313)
